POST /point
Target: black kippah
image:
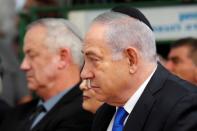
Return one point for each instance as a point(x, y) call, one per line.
point(132, 12)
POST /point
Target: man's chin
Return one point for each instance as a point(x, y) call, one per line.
point(32, 87)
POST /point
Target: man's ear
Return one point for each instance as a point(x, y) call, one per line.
point(64, 54)
point(132, 55)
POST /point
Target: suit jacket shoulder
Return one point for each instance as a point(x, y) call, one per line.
point(4, 109)
point(66, 115)
point(15, 117)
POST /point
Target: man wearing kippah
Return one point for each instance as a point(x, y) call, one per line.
point(122, 67)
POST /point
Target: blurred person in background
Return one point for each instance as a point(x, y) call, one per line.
point(52, 63)
point(4, 107)
point(28, 4)
point(182, 59)
point(90, 103)
point(14, 85)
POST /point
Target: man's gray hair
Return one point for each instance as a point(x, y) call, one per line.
point(62, 34)
point(124, 31)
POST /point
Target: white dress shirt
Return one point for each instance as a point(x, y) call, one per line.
point(130, 104)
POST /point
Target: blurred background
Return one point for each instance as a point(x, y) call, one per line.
point(171, 19)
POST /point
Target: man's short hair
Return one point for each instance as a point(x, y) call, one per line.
point(191, 43)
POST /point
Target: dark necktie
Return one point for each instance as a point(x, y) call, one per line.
point(39, 109)
point(119, 119)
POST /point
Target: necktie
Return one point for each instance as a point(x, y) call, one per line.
point(119, 119)
point(37, 111)
point(33, 116)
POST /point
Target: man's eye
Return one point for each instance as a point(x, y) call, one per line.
point(94, 59)
point(32, 55)
point(176, 61)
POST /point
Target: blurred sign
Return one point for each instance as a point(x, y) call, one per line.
point(169, 22)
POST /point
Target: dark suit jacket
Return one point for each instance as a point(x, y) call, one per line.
point(66, 115)
point(167, 104)
point(4, 109)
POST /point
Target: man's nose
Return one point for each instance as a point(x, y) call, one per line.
point(25, 65)
point(86, 72)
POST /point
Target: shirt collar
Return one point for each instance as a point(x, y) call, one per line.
point(49, 104)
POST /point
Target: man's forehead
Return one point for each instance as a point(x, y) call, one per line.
point(33, 46)
point(90, 48)
point(97, 49)
point(180, 51)
point(97, 30)
point(95, 38)
point(27, 48)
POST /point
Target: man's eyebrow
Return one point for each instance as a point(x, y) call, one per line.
point(92, 53)
point(89, 53)
point(29, 51)
point(174, 59)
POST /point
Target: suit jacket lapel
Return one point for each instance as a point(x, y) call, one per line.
point(108, 116)
point(138, 116)
point(140, 112)
point(102, 120)
point(26, 110)
point(67, 98)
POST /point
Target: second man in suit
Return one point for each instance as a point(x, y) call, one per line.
point(52, 64)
